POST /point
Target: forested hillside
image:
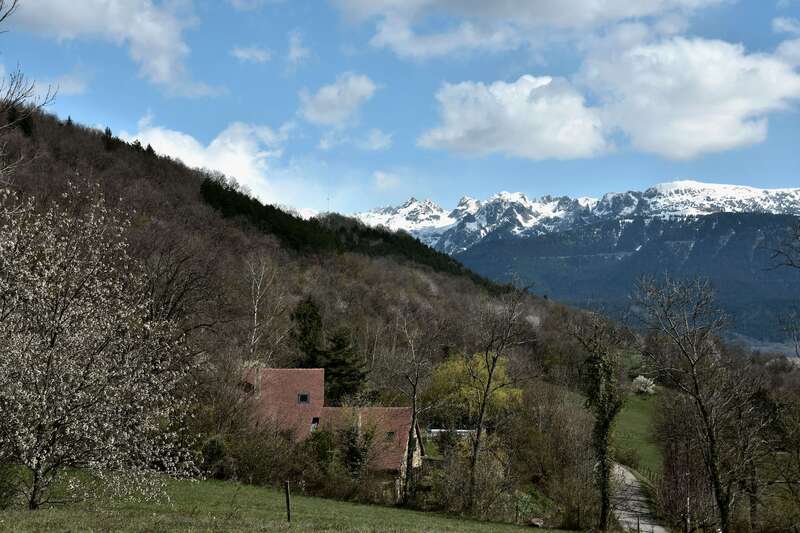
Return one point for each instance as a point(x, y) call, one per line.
point(176, 280)
point(330, 233)
point(248, 282)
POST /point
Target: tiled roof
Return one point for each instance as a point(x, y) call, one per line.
point(389, 426)
point(277, 393)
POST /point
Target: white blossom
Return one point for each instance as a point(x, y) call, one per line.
point(87, 381)
point(644, 385)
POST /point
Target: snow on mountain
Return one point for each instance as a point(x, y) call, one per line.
point(411, 216)
point(682, 198)
point(508, 215)
point(466, 206)
point(424, 219)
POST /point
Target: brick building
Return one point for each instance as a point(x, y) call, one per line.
point(294, 399)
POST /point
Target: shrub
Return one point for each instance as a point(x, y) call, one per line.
point(629, 457)
point(215, 458)
point(8, 486)
point(644, 385)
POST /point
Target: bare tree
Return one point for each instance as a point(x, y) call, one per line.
point(787, 443)
point(729, 417)
point(177, 282)
point(267, 303)
point(683, 493)
point(18, 93)
point(603, 341)
point(500, 327)
point(787, 254)
point(408, 369)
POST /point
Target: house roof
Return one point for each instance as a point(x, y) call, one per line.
point(276, 393)
point(389, 426)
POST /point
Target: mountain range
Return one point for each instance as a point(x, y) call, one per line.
point(590, 251)
point(507, 215)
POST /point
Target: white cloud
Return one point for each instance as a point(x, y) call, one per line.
point(533, 118)
point(251, 54)
point(786, 25)
point(789, 51)
point(561, 13)
point(385, 180)
point(331, 139)
point(681, 98)
point(256, 156)
point(243, 151)
point(498, 25)
point(375, 140)
point(337, 103)
point(397, 34)
point(152, 34)
point(69, 85)
point(246, 5)
point(298, 53)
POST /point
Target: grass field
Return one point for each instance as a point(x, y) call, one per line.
point(634, 430)
point(220, 506)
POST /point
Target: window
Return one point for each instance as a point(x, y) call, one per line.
point(303, 397)
point(314, 423)
point(389, 436)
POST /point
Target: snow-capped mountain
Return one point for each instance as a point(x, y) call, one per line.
point(422, 218)
point(508, 215)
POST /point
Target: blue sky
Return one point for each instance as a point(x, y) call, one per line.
point(350, 104)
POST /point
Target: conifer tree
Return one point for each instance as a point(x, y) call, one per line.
point(344, 373)
point(307, 333)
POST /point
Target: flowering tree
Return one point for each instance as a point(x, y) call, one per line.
point(86, 381)
point(644, 385)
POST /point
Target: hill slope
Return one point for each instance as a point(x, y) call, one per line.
point(219, 506)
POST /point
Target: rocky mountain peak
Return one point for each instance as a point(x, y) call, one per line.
point(514, 214)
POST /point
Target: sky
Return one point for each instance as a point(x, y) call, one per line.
point(346, 105)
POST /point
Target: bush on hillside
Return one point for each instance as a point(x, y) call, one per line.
point(644, 385)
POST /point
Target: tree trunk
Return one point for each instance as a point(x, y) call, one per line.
point(603, 470)
point(35, 496)
point(752, 492)
point(721, 497)
point(476, 445)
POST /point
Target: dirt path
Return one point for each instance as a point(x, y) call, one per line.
point(631, 503)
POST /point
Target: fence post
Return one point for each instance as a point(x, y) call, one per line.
point(288, 503)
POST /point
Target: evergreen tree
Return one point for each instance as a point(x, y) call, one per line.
point(13, 115)
point(307, 332)
point(344, 373)
point(150, 150)
point(23, 121)
point(26, 125)
point(109, 142)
